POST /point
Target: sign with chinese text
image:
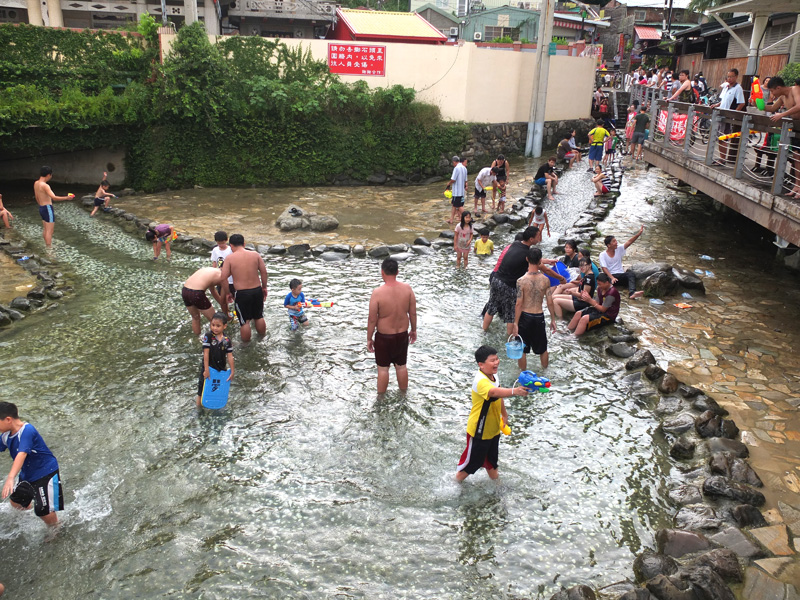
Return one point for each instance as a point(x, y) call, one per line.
point(357, 59)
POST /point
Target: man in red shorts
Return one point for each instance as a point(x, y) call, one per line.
point(194, 295)
point(392, 307)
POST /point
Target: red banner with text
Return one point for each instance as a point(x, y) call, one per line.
point(357, 59)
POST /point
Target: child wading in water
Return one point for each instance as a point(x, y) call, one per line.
point(294, 302)
point(217, 350)
point(486, 418)
point(539, 218)
point(101, 196)
point(463, 238)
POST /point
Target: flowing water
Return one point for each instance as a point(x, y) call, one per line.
point(306, 485)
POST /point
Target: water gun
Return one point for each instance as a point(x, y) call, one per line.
point(730, 136)
point(533, 383)
point(757, 95)
point(315, 304)
point(70, 195)
point(174, 235)
point(504, 427)
point(448, 194)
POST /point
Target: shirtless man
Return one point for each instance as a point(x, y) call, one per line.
point(194, 295)
point(250, 280)
point(45, 198)
point(392, 307)
point(532, 288)
point(788, 97)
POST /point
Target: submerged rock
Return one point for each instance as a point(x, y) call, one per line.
point(697, 516)
point(577, 592)
point(649, 564)
point(621, 350)
point(682, 449)
point(678, 425)
point(735, 447)
point(333, 256)
point(642, 358)
point(685, 494)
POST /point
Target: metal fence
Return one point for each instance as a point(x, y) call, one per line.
point(751, 147)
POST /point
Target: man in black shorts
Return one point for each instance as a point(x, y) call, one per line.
point(250, 278)
point(194, 295)
point(528, 316)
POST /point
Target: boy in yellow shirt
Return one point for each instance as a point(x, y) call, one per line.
point(484, 246)
point(486, 418)
point(597, 138)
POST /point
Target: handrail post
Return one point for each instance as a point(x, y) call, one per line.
point(741, 152)
point(668, 127)
point(783, 156)
point(687, 140)
point(716, 118)
point(653, 119)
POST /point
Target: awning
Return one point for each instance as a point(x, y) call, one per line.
point(766, 7)
point(647, 33)
point(567, 24)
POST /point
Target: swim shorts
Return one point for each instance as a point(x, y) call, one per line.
point(596, 152)
point(457, 201)
point(579, 304)
point(569, 155)
point(502, 300)
point(47, 214)
point(480, 193)
point(596, 318)
point(249, 304)
point(165, 239)
point(479, 453)
point(638, 138)
point(604, 189)
point(542, 181)
point(533, 332)
point(99, 201)
point(391, 348)
point(196, 298)
point(46, 494)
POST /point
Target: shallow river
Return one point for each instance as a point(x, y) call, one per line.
point(306, 485)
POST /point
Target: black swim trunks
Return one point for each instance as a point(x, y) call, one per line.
point(533, 332)
point(391, 348)
point(596, 318)
point(457, 201)
point(502, 300)
point(196, 298)
point(99, 201)
point(249, 304)
point(480, 193)
point(479, 453)
point(47, 494)
point(47, 214)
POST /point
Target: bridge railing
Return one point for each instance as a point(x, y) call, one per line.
point(768, 156)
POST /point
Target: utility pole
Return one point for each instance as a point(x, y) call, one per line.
point(533, 143)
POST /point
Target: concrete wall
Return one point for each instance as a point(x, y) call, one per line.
point(84, 167)
point(474, 84)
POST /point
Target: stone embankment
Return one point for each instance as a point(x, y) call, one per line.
point(51, 284)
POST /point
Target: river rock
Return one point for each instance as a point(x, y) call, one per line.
point(621, 350)
point(262, 248)
point(747, 515)
point(480, 229)
point(5, 319)
point(398, 248)
point(722, 487)
point(293, 217)
point(447, 234)
point(697, 516)
point(642, 358)
point(735, 447)
point(688, 391)
point(644, 270)
point(323, 223)
point(442, 243)
point(623, 339)
point(728, 465)
point(734, 539)
point(277, 249)
point(649, 564)
point(704, 403)
point(36, 293)
point(791, 516)
point(298, 249)
point(682, 449)
point(422, 241)
point(668, 384)
point(515, 220)
point(401, 256)
point(668, 405)
point(317, 250)
point(660, 285)
point(21, 303)
point(710, 425)
point(577, 592)
point(636, 594)
point(678, 425)
point(653, 372)
point(55, 294)
point(333, 256)
point(685, 494)
point(708, 584)
point(676, 543)
point(422, 250)
point(359, 250)
point(500, 218)
point(723, 562)
point(688, 279)
point(379, 251)
point(377, 178)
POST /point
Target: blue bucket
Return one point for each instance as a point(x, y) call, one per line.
point(514, 348)
point(562, 270)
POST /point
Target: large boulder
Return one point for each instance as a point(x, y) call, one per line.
point(660, 284)
point(294, 217)
point(323, 223)
point(688, 280)
point(722, 487)
point(644, 270)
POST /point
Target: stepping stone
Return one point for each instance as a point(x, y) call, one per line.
point(734, 539)
point(774, 538)
point(777, 567)
point(760, 586)
point(791, 516)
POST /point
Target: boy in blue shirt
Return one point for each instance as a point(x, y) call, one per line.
point(294, 303)
point(39, 480)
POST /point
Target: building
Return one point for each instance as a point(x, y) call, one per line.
point(506, 21)
point(444, 21)
point(462, 8)
point(355, 25)
point(268, 18)
point(641, 22)
point(711, 49)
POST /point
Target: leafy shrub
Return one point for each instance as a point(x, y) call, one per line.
point(790, 73)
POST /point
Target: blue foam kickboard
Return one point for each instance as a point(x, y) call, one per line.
point(216, 389)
